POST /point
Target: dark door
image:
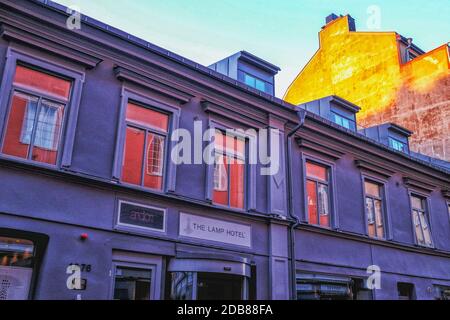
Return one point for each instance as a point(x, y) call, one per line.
point(216, 286)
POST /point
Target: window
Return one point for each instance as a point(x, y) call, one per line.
point(405, 291)
point(229, 170)
point(397, 145)
point(132, 284)
point(36, 115)
point(420, 221)
point(254, 82)
point(374, 209)
point(317, 190)
point(16, 268)
point(323, 287)
point(344, 121)
point(144, 152)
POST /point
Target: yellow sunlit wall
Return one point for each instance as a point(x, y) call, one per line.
point(366, 69)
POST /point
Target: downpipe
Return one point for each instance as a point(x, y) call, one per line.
point(301, 113)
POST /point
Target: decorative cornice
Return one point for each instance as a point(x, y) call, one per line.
point(320, 148)
point(375, 168)
point(236, 113)
point(146, 81)
point(446, 193)
point(419, 184)
point(12, 33)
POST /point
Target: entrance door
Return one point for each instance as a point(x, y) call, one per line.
point(133, 283)
point(208, 279)
point(216, 286)
point(208, 286)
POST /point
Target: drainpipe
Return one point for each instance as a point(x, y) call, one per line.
point(301, 113)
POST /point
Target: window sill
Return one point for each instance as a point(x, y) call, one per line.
point(31, 163)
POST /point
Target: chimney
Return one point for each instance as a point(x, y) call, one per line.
point(331, 17)
point(351, 21)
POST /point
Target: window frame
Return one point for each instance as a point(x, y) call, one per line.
point(426, 202)
point(334, 219)
point(404, 144)
point(139, 261)
point(155, 132)
point(384, 206)
point(267, 84)
point(226, 154)
point(250, 169)
point(130, 95)
point(137, 266)
point(16, 57)
point(351, 122)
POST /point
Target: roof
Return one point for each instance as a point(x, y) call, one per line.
point(163, 52)
point(205, 70)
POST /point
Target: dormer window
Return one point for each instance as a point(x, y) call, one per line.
point(335, 109)
point(343, 121)
point(250, 70)
point(398, 145)
point(398, 137)
point(254, 82)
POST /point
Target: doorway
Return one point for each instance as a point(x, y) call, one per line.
point(207, 286)
point(204, 279)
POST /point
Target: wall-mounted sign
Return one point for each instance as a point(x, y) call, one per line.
point(199, 227)
point(134, 215)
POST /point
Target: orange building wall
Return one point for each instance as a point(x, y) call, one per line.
point(366, 69)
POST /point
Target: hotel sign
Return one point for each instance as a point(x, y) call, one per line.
point(199, 227)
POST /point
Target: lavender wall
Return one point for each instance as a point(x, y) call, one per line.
point(64, 205)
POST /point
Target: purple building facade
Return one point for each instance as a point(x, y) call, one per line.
point(93, 207)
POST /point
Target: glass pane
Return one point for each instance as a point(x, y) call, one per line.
point(153, 177)
point(220, 174)
point(48, 132)
point(312, 202)
point(132, 162)
point(132, 284)
point(316, 171)
point(417, 228)
point(16, 252)
point(417, 203)
point(260, 85)
point(249, 80)
point(237, 173)
point(229, 144)
point(370, 209)
point(182, 286)
point(147, 117)
point(372, 189)
point(41, 81)
point(425, 228)
point(379, 218)
point(324, 205)
point(220, 194)
point(16, 268)
point(20, 125)
point(397, 145)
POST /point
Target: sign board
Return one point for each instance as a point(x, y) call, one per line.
point(141, 216)
point(200, 227)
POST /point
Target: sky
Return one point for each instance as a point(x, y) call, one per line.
point(283, 32)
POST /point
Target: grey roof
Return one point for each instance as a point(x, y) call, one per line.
point(439, 165)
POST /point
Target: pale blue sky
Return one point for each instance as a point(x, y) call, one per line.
point(283, 32)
